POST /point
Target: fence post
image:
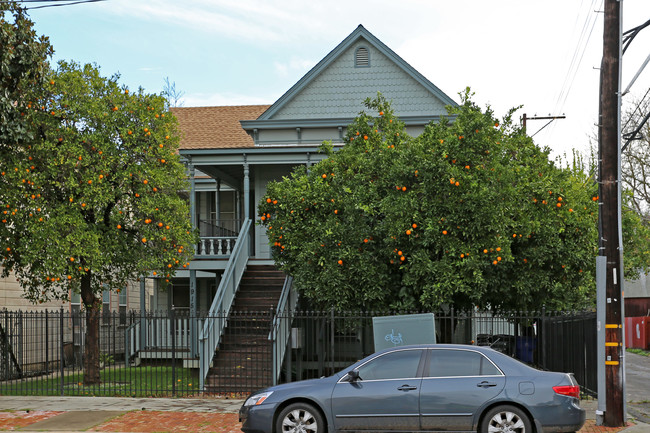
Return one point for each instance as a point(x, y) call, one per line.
point(61, 351)
point(332, 330)
point(173, 337)
point(274, 349)
point(452, 325)
point(542, 336)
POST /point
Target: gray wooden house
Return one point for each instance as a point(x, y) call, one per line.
point(232, 153)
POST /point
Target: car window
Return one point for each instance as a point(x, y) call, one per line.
point(392, 365)
point(446, 363)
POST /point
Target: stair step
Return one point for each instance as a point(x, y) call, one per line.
point(242, 362)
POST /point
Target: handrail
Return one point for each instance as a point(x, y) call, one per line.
point(215, 322)
point(281, 326)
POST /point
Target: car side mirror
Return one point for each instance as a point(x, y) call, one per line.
point(353, 375)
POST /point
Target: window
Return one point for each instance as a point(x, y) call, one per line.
point(106, 307)
point(400, 364)
point(122, 303)
point(75, 312)
point(362, 58)
point(448, 363)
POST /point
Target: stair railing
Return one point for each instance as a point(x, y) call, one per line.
point(281, 326)
point(215, 322)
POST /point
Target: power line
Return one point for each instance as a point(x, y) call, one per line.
point(53, 3)
point(629, 35)
point(576, 60)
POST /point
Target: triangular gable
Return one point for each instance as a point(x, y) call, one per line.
point(336, 87)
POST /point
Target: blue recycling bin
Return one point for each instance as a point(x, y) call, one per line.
point(525, 348)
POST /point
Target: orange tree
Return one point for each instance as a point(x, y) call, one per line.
point(91, 196)
point(471, 212)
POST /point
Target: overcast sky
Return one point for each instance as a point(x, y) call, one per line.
point(541, 54)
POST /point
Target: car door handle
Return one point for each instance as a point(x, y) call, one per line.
point(407, 388)
point(486, 384)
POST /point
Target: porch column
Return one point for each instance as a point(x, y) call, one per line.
point(217, 206)
point(247, 190)
point(143, 312)
point(190, 169)
point(194, 328)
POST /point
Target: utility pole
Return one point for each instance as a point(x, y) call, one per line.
point(609, 212)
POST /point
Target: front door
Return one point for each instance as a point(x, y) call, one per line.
point(385, 397)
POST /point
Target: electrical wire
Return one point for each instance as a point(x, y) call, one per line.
point(578, 55)
point(54, 3)
point(629, 35)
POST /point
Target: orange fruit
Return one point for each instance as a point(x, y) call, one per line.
point(408, 232)
point(340, 262)
point(414, 225)
point(444, 232)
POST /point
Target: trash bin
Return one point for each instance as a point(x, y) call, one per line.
point(525, 349)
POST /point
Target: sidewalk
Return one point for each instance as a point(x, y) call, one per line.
point(158, 415)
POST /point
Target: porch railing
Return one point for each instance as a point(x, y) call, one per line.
point(159, 334)
point(215, 322)
point(281, 327)
point(217, 237)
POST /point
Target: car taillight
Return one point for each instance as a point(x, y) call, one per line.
point(571, 391)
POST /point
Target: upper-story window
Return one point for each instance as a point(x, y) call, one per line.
point(362, 58)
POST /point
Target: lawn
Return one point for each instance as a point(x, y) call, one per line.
point(116, 381)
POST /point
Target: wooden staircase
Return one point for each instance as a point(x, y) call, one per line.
point(242, 362)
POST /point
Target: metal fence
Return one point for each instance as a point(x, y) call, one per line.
point(41, 353)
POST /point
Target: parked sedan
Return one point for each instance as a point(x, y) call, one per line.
point(422, 388)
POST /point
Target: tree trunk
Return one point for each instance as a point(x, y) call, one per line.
point(92, 305)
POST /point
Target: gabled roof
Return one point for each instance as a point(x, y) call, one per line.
point(360, 33)
point(215, 127)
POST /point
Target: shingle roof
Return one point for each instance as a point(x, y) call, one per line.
point(216, 127)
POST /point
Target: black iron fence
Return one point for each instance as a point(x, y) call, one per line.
point(155, 354)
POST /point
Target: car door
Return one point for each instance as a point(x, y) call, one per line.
point(384, 396)
point(456, 384)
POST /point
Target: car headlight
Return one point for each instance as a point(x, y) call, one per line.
point(256, 399)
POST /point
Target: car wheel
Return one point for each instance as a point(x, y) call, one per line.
point(300, 418)
point(502, 419)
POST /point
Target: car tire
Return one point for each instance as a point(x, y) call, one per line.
point(300, 418)
point(506, 419)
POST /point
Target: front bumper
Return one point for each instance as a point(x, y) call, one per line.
point(257, 419)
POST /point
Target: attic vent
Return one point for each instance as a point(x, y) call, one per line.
point(362, 58)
